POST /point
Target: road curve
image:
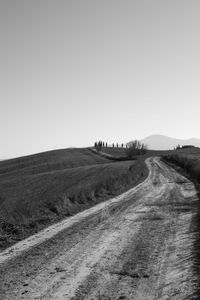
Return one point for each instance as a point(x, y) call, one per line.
point(135, 246)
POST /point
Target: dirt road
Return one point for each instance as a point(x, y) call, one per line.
point(136, 246)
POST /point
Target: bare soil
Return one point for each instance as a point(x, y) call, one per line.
point(138, 245)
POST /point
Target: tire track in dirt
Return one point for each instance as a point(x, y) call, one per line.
point(135, 246)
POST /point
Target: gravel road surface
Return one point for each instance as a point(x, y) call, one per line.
point(138, 245)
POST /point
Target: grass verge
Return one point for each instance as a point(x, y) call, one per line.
point(189, 166)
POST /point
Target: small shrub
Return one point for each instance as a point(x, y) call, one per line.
point(135, 148)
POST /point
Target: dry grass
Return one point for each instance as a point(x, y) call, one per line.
point(115, 151)
point(121, 152)
point(188, 160)
point(49, 161)
point(38, 190)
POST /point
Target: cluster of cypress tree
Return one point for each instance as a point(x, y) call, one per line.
point(98, 145)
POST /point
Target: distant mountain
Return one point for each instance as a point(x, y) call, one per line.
point(161, 142)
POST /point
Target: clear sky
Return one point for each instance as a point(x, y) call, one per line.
point(72, 72)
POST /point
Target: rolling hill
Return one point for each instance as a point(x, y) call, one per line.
point(161, 142)
point(38, 190)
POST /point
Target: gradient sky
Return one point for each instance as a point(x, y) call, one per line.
point(73, 72)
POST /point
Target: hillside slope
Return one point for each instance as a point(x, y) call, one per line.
point(161, 142)
point(41, 189)
point(50, 161)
